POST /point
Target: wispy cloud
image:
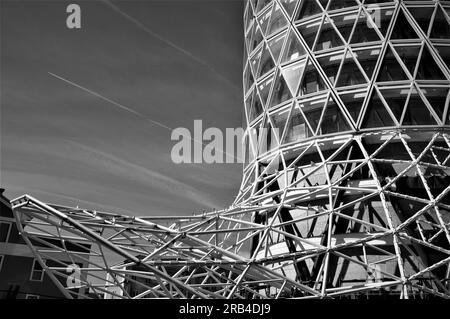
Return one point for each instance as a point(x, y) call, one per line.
point(123, 107)
point(112, 173)
point(130, 110)
point(126, 169)
point(141, 26)
point(119, 92)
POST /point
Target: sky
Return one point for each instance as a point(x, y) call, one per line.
point(86, 114)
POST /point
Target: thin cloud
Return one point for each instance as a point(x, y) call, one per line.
point(127, 169)
point(166, 41)
point(123, 107)
point(130, 110)
point(108, 167)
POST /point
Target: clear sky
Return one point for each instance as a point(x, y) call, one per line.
point(169, 61)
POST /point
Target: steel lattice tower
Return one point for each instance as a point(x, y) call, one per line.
point(345, 190)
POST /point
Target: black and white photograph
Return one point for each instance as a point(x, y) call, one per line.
point(239, 150)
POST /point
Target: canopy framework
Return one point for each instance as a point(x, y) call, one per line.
point(294, 252)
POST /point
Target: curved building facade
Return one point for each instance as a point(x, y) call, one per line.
point(346, 105)
point(318, 69)
point(346, 181)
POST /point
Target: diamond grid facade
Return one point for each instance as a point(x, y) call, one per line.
point(343, 66)
point(345, 190)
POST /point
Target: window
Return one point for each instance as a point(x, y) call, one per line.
point(280, 92)
point(330, 64)
point(293, 50)
point(377, 114)
point(37, 273)
point(416, 112)
point(261, 5)
point(5, 230)
point(309, 32)
point(277, 22)
point(297, 128)
point(257, 38)
point(444, 51)
point(333, 120)
point(30, 296)
point(266, 63)
point(364, 31)
point(350, 73)
point(254, 106)
point(1, 261)
point(312, 81)
point(279, 120)
point(328, 38)
point(307, 9)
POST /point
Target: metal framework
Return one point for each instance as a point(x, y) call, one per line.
point(346, 185)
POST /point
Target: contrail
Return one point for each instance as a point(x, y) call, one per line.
point(125, 108)
point(166, 41)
